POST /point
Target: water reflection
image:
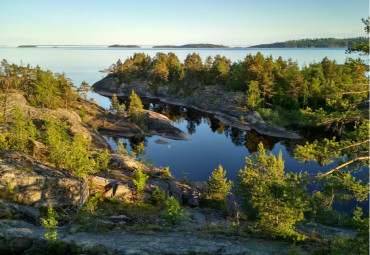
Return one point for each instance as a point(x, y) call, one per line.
point(211, 143)
point(194, 118)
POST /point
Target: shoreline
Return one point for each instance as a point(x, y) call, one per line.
point(255, 124)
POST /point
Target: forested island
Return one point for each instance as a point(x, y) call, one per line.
point(194, 45)
point(316, 43)
point(64, 190)
point(27, 46)
point(123, 46)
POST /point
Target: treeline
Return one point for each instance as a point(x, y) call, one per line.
point(268, 83)
point(316, 43)
point(41, 88)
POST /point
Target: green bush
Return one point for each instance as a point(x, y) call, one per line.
point(158, 197)
point(173, 213)
point(22, 133)
point(166, 174)
point(50, 223)
point(139, 179)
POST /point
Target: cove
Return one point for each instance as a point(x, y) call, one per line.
point(212, 143)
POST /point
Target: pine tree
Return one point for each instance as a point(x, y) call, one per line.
point(278, 199)
point(116, 107)
point(253, 96)
point(217, 185)
point(136, 106)
point(84, 89)
point(139, 179)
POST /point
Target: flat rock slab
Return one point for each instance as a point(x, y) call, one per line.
point(177, 243)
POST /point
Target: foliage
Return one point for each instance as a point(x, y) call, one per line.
point(84, 89)
point(22, 133)
point(41, 88)
point(50, 223)
point(92, 204)
point(353, 152)
point(139, 179)
point(72, 155)
point(253, 96)
point(136, 106)
point(218, 188)
point(116, 107)
point(158, 197)
point(278, 198)
point(173, 213)
point(102, 160)
point(360, 243)
point(318, 89)
point(166, 174)
point(363, 45)
point(120, 149)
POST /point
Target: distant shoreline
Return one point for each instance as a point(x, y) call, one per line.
point(27, 46)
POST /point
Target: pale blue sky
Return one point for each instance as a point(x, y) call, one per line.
point(153, 22)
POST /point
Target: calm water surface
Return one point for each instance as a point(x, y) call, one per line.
point(211, 143)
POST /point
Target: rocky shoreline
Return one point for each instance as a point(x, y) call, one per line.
point(226, 109)
point(29, 184)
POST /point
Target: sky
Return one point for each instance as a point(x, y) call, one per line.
point(177, 22)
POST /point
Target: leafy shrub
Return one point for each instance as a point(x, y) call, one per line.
point(22, 133)
point(92, 204)
point(166, 174)
point(158, 197)
point(139, 179)
point(120, 149)
point(173, 213)
point(50, 223)
point(102, 160)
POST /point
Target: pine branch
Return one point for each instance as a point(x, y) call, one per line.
point(354, 145)
point(343, 165)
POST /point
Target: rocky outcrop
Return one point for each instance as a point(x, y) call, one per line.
point(158, 124)
point(28, 182)
point(120, 126)
point(224, 105)
point(74, 121)
point(118, 182)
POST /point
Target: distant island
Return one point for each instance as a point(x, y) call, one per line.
point(195, 45)
point(27, 46)
point(123, 46)
point(316, 43)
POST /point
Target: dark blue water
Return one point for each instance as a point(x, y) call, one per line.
point(212, 143)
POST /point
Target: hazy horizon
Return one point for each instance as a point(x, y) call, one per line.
point(163, 22)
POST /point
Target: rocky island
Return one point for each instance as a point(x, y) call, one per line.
point(27, 46)
point(216, 100)
point(123, 46)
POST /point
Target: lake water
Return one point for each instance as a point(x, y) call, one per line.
point(211, 143)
